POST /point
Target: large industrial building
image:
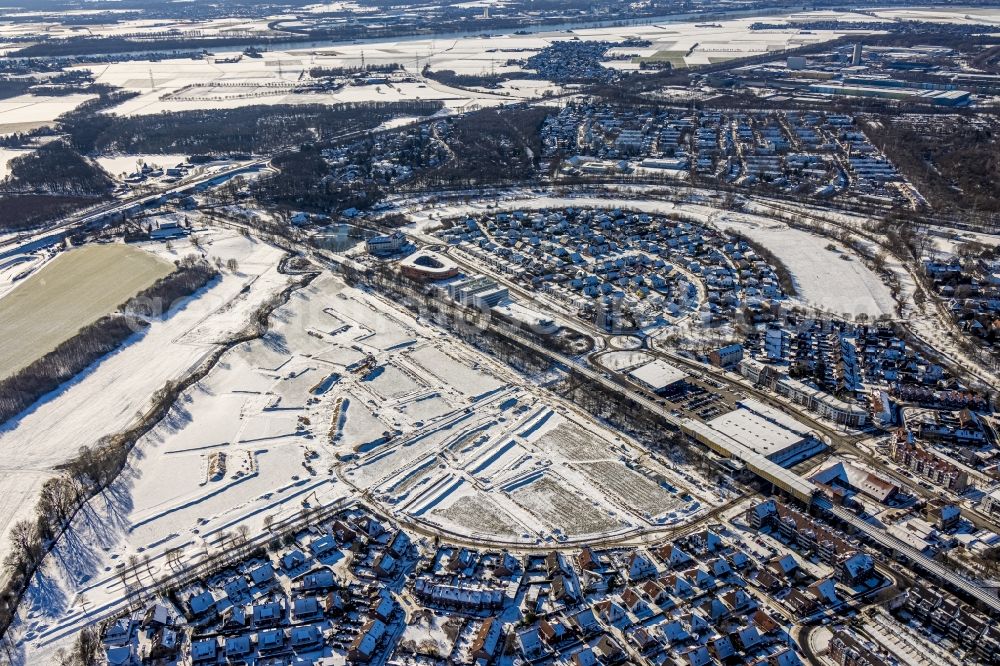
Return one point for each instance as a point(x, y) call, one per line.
point(478, 291)
point(939, 97)
point(767, 431)
point(659, 376)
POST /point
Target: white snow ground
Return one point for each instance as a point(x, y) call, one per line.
point(448, 438)
point(106, 398)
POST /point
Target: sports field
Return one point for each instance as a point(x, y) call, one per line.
point(73, 290)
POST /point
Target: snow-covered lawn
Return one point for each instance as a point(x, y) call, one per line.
point(116, 165)
point(6, 155)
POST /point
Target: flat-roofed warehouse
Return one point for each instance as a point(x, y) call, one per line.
point(659, 376)
point(767, 431)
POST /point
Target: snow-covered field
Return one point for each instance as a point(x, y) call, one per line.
point(460, 445)
point(26, 112)
point(967, 15)
point(6, 155)
point(440, 435)
point(106, 398)
point(116, 165)
point(835, 281)
point(186, 84)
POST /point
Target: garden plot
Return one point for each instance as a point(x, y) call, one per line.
point(565, 509)
point(166, 496)
point(358, 426)
point(572, 442)
point(270, 426)
point(342, 356)
point(479, 515)
point(389, 460)
point(296, 388)
point(423, 408)
point(155, 516)
point(631, 488)
point(390, 382)
point(370, 324)
point(470, 379)
point(421, 471)
point(257, 275)
point(504, 458)
point(267, 354)
point(312, 328)
point(200, 420)
point(387, 336)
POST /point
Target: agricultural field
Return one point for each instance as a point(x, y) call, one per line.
point(561, 509)
point(227, 80)
point(630, 487)
point(28, 112)
point(75, 289)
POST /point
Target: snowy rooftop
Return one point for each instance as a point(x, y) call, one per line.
point(801, 488)
point(775, 415)
point(658, 374)
point(756, 432)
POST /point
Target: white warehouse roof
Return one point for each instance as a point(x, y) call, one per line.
point(658, 374)
point(756, 432)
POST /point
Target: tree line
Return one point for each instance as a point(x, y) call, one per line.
point(24, 211)
point(491, 146)
point(338, 72)
point(244, 130)
point(954, 161)
point(57, 169)
point(452, 78)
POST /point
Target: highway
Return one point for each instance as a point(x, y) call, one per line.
point(54, 233)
